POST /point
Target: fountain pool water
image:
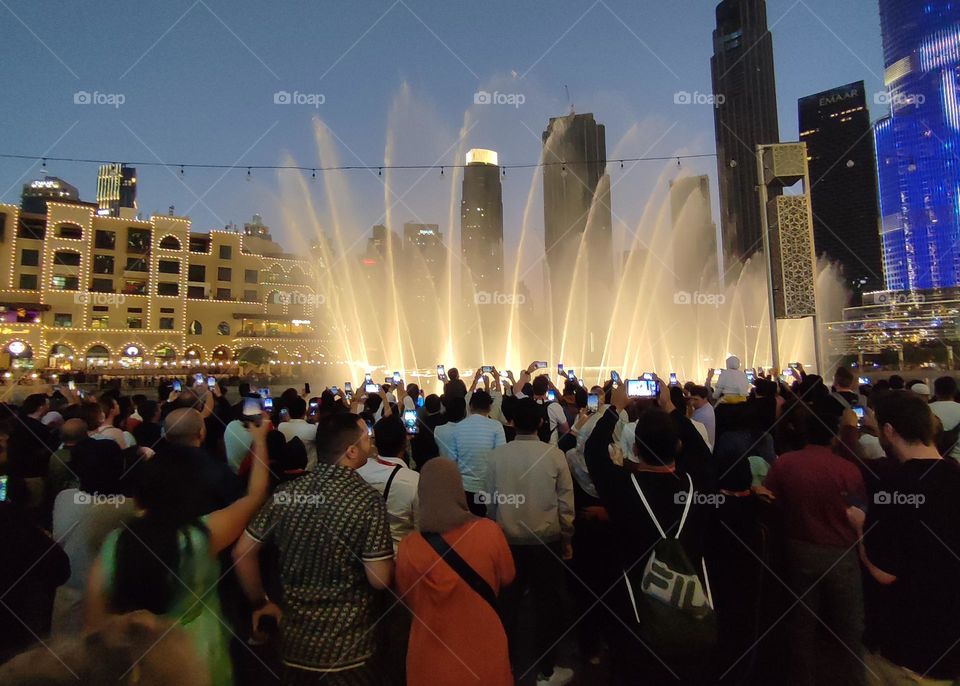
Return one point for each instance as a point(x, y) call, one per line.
point(667, 308)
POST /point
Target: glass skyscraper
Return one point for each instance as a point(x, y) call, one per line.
point(481, 224)
point(745, 115)
point(918, 143)
point(835, 125)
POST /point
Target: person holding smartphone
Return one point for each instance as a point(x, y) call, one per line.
point(165, 559)
point(454, 387)
point(555, 423)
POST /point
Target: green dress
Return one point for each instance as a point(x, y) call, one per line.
point(202, 621)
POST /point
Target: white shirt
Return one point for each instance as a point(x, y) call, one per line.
point(402, 502)
point(307, 433)
point(701, 427)
point(555, 415)
point(108, 432)
point(628, 437)
point(948, 412)
point(495, 407)
point(732, 382)
point(870, 445)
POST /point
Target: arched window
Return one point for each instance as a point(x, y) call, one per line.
point(221, 353)
point(195, 328)
point(223, 329)
point(170, 243)
point(60, 350)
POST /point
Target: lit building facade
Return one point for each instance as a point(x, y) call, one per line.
point(918, 168)
point(117, 191)
point(80, 290)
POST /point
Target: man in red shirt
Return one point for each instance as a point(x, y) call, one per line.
point(813, 487)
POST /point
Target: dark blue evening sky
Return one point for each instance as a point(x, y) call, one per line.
point(398, 80)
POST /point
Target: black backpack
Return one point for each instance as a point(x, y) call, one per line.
point(545, 432)
point(673, 606)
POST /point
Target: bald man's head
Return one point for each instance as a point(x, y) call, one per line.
point(184, 427)
point(73, 431)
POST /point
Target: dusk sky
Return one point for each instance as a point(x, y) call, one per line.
point(397, 81)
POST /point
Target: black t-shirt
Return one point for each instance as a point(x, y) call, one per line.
point(913, 533)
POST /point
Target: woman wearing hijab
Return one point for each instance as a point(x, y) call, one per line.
point(457, 637)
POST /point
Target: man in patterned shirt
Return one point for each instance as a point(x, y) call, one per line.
point(334, 552)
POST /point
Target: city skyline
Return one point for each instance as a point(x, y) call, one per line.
point(637, 119)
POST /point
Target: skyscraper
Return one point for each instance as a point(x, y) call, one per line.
point(116, 189)
point(694, 232)
point(835, 125)
point(481, 224)
point(918, 171)
point(428, 253)
point(577, 220)
point(37, 193)
point(745, 115)
point(575, 158)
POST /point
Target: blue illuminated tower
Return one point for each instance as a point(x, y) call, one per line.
point(918, 144)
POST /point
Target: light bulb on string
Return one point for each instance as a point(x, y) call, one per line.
point(441, 171)
point(248, 173)
point(621, 164)
point(313, 175)
point(43, 165)
point(181, 170)
point(379, 171)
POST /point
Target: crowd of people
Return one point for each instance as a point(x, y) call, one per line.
point(759, 527)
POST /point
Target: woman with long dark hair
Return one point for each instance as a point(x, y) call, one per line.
point(165, 561)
